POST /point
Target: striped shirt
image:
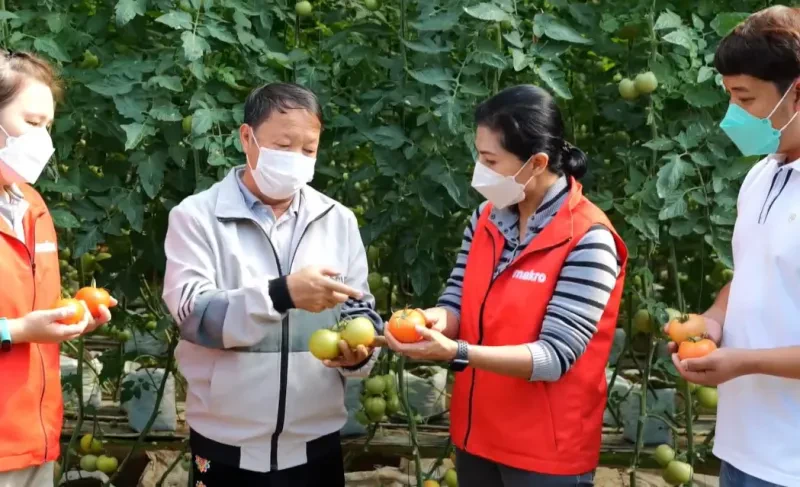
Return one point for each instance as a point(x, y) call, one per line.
point(581, 293)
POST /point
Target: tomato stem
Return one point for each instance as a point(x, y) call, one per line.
point(640, 424)
point(687, 394)
point(412, 420)
point(79, 422)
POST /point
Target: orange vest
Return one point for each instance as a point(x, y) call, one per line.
point(544, 427)
point(31, 407)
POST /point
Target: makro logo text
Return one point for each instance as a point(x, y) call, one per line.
point(531, 276)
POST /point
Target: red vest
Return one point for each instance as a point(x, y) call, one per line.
point(31, 408)
point(544, 427)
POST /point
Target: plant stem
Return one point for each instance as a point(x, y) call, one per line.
point(673, 262)
point(172, 465)
point(689, 433)
point(79, 422)
point(153, 415)
point(412, 421)
point(640, 426)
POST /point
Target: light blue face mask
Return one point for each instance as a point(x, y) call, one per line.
point(752, 135)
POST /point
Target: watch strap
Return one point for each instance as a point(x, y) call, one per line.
point(5, 335)
point(461, 359)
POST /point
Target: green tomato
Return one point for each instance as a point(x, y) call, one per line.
point(391, 386)
point(393, 405)
point(89, 463)
point(375, 386)
point(186, 124)
point(324, 344)
point(451, 478)
point(727, 274)
point(627, 89)
point(707, 397)
point(646, 82)
point(677, 473)
point(375, 408)
point(643, 321)
point(372, 5)
point(664, 454)
point(303, 9)
point(107, 464)
point(359, 331)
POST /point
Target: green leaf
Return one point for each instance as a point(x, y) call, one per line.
point(51, 48)
point(704, 74)
point(64, 219)
point(421, 276)
point(671, 175)
point(725, 22)
point(150, 167)
point(489, 12)
point(130, 204)
point(391, 137)
point(131, 107)
point(135, 133)
point(111, 86)
point(704, 96)
point(660, 144)
point(681, 38)
point(88, 240)
point(557, 30)
point(490, 59)
point(194, 46)
point(444, 21)
point(202, 120)
point(514, 39)
point(165, 111)
point(433, 76)
point(172, 83)
point(520, 59)
point(675, 207)
point(220, 33)
point(555, 79)
point(700, 159)
point(176, 19)
point(126, 10)
point(6, 15)
point(668, 20)
point(426, 46)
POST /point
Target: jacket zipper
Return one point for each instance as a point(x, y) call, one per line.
point(32, 260)
point(480, 328)
point(284, 373)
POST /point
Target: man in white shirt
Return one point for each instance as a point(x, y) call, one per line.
point(756, 317)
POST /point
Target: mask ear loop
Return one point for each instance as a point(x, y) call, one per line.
point(253, 135)
point(791, 88)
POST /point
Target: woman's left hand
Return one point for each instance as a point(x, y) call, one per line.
point(434, 346)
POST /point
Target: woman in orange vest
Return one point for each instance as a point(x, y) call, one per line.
point(30, 385)
point(529, 312)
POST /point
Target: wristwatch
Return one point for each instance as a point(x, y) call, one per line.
point(461, 359)
point(5, 336)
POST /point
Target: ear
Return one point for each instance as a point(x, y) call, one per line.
point(539, 163)
point(246, 140)
point(796, 89)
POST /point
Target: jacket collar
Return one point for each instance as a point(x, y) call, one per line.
point(231, 204)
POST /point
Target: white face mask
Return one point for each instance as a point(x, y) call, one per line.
point(280, 174)
point(501, 191)
point(27, 155)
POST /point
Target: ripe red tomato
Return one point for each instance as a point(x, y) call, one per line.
point(403, 323)
point(686, 327)
point(94, 297)
point(77, 307)
point(695, 349)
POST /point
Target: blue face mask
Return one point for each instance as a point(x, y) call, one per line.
point(752, 135)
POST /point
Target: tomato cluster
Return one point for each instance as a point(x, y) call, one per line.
point(91, 447)
point(324, 343)
point(689, 332)
point(379, 399)
point(644, 83)
point(675, 471)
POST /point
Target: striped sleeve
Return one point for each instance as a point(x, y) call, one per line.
point(580, 297)
point(451, 297)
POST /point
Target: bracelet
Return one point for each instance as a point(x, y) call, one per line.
point(5, 335)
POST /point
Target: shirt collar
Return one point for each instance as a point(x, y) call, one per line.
point(252, 201)
point(11, 194)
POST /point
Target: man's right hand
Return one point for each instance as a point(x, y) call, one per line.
point(313, 289)
point(42, 326)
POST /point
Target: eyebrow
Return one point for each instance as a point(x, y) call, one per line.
point(487, 152)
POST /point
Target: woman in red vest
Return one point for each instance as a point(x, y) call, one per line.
point(529, 312)
point(31, 409)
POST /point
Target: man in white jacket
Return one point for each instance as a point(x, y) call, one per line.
point(255, 265)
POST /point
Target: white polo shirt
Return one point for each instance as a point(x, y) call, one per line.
point(758, 418)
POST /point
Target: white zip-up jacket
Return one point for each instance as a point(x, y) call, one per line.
point(255, 392)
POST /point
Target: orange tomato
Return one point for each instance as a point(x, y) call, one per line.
point(78, 311)
point(695, 348)
point(94, 297)
point(402, 325)
point(686, 327)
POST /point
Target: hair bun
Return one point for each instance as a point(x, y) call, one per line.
point(574, 161)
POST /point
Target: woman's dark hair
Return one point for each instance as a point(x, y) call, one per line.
point(528, 122)
point(765, 46)
point(265, 100)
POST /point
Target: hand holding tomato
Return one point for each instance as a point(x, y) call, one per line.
point(432, 346)
point(47, 325)
point(718, 366)
point(349, 357)
point(683, 328)
point(97, 301)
